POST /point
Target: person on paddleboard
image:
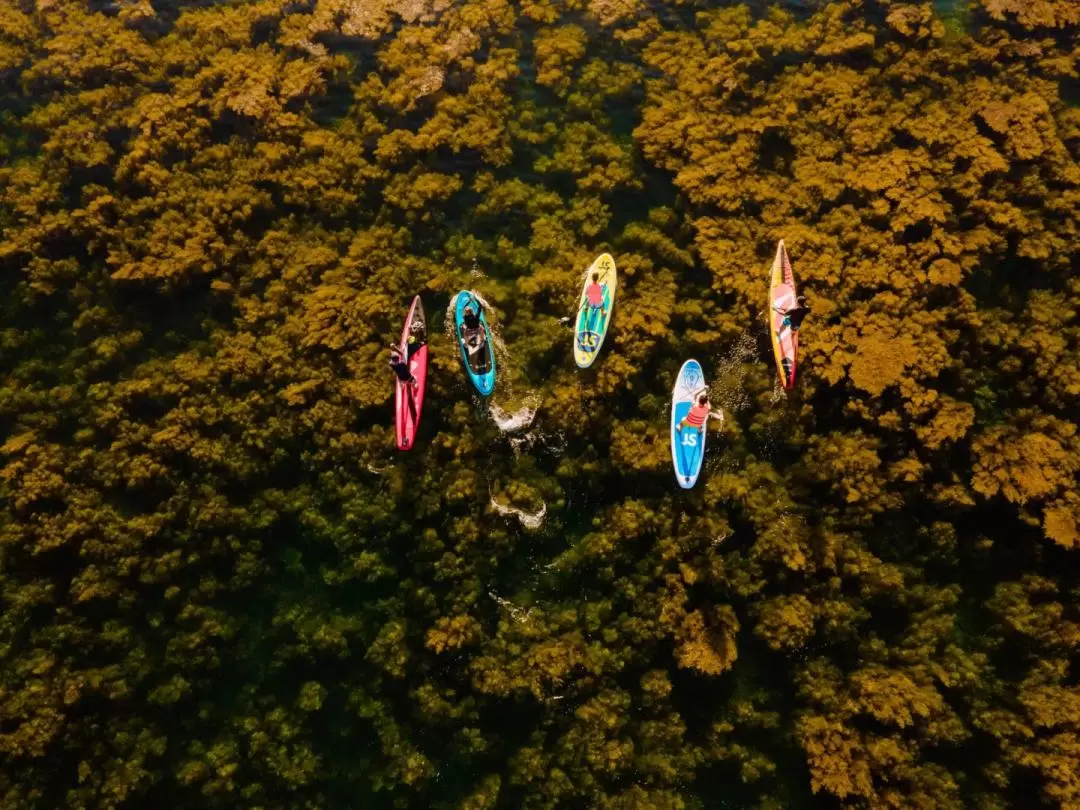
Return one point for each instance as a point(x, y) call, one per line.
point(793, 316)
point(699, 414)
point(400, 367)
point(472, 331)
point(594, 300)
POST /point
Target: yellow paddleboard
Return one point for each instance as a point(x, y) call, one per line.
point(592, 318)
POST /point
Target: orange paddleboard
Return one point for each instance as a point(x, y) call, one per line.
point(782, 297)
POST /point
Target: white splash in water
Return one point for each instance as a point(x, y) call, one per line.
point(479, 297)
point(512, 422)
point(529, 520)
point(538, 439)
point(475, 273)
point(778, 392)
point(554, 443)
point(515, 612)
point(553, 566)
point(519, 443)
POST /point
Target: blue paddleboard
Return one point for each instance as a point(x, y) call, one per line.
point(687, 444)
point(476, 350)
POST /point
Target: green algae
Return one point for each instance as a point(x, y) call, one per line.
point(220, 586)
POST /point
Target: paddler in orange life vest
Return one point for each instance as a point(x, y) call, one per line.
point(699, 414)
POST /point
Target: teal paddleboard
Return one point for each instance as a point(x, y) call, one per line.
point(477, 354)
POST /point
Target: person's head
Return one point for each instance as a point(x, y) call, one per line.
point(395, 356)
point(469, 309)
point(596, 278)
point(801, 300)
point(703, 400)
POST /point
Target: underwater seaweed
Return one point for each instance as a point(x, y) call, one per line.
point(223, 588)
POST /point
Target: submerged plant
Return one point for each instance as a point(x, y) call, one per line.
point(220, 585)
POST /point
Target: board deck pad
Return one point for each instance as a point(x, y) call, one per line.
point(687, 445)
point(409, 397)
point(783, 296)
point(591, 324)
point(477, 354)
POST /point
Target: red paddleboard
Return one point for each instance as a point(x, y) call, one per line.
point(409, 397)
point(782, 296)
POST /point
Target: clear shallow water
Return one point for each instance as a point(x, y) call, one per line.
point(222, 587)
